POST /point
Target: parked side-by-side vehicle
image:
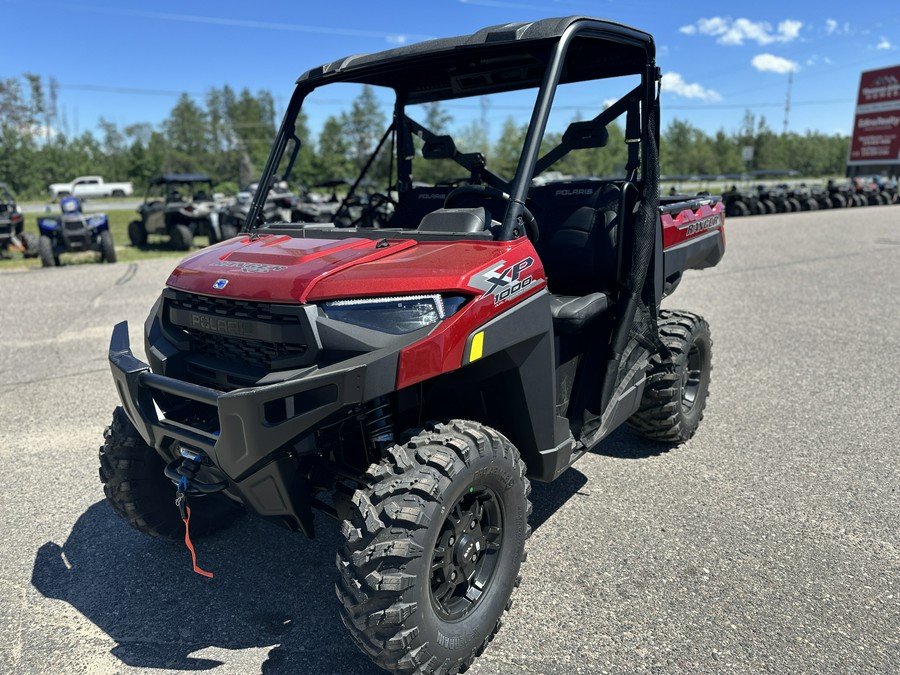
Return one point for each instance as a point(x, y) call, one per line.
point(409, 376)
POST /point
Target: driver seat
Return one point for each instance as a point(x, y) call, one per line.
point(578, 251)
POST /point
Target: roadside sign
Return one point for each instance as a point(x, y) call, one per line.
point(876, 126)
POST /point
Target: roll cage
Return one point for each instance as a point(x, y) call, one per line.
point(509, 57)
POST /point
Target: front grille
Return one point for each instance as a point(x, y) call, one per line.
point(263, 336)
point(251, 352)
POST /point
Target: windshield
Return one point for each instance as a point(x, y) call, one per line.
point(354, 144)
point(393, 137)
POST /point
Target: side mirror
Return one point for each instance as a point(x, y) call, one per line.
point(589, 134)
point(439, 147)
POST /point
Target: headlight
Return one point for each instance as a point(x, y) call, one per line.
point(396, 315)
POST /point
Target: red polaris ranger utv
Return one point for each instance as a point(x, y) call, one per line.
point(473, 328)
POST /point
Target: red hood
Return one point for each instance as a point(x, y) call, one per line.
point(289, 269)
point(275, 268)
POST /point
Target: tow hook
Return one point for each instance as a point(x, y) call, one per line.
point(188, 465)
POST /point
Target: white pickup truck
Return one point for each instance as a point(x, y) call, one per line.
point(91, 187)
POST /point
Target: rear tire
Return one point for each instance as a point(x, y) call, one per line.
point(433, 549)
point(181, 238)
point(738, 209)
point(45, 251)
point(228, 232)
point(31, 243)
point(138, 490)
point(677, 387)
point(107, 247)
point(137, 233)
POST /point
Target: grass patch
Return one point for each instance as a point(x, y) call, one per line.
point(157, 245)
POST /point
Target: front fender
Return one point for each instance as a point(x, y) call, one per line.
point(48, 226)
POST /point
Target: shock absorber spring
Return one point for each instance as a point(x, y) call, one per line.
point(378, 424)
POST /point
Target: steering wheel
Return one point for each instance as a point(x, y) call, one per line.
point(531, 228)
point(378, 210)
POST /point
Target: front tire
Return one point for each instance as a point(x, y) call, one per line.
point(677, 387)
point(138, 490)
point(137, 234)
point(181, 238)
point(107, 247)
point(45, 251)
point(433, 549)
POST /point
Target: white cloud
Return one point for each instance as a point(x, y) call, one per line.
point(729, 31)
point(833, 27)
point(885, 44)
point(815, 59)
point(769, 63)
point(675, 84)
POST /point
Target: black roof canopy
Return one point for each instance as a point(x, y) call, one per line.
point(181, 178)
point(495, 59)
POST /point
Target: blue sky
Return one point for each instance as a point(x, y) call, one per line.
point(127, 61)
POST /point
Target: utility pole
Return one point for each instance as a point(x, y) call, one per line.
point(787, 101)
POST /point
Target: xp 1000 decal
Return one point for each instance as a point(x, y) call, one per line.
point(504, 281)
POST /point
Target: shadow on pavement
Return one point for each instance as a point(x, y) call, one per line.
point(271, 589)
point(625, 444)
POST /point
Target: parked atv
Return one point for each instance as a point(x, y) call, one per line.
point(181, 206)
point(12, 234)
point(409, 379)
point(74, 232)
point(277, 207)
point(315, 207)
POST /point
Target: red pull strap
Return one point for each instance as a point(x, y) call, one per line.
point(187, 541)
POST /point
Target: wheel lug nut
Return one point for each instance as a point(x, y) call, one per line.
point(474, 557)
point(451, 541)
point(472, 525)
point(452, 576)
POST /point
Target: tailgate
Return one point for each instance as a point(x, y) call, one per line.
point(693, 234)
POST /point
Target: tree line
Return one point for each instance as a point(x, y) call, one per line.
point(228, 135)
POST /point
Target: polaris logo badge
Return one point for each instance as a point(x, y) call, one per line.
point(220, 284)
point(504, 282)
point(250, 267)
point(213, 324)
point(572, 192)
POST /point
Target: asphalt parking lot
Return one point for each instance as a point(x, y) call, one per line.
point(768, 543)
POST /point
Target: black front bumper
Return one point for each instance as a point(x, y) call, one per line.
point(261, 430)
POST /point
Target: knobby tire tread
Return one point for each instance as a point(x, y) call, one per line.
point(660, 415)
point(377, 551)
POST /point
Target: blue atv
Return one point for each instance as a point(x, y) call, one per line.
point(74, 231)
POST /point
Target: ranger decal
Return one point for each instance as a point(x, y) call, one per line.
point(250, 267)
point(709, 223)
